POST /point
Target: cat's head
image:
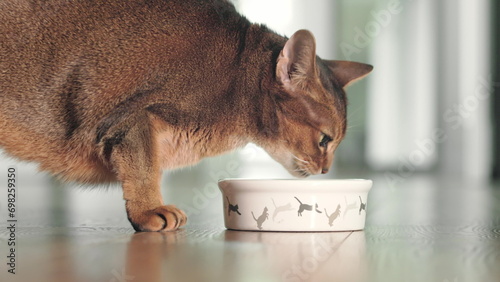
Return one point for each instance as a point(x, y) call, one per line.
point(311, 104)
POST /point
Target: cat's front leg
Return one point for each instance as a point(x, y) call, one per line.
point(136, 163)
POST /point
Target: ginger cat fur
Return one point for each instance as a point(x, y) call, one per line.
point(102, 91)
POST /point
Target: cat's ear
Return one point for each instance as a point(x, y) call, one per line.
point(347, 72)
point(297, 60)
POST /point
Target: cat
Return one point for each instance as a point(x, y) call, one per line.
point(362, 206)
point(333, 216)
point(306, 207)
point(262, 218)
point(232, 208)
point(101, 91)
point(351, 206)
point(279, 209)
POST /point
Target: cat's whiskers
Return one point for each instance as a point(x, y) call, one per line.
point(351, 117)
point(350, 127)
point(308, 157)
point(352, 113)
point(303, 166)
point(301, 170)
point(299, 159)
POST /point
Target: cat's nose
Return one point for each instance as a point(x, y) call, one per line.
point(324, 171)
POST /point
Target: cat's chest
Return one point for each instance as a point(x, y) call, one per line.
point(175, 151)
point(179, 147)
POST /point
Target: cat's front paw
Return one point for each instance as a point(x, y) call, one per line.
point(162, 218)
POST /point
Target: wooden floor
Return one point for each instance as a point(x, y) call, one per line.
point(420, 228)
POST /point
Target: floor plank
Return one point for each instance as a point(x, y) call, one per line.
point(423, 229)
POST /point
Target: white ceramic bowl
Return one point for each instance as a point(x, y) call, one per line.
point(295, 205)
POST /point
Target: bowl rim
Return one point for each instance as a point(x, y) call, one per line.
point(315, 185)
point(294, 180)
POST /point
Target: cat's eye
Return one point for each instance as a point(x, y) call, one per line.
point(325, 139)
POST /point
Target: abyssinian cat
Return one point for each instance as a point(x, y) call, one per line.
point(101, 91)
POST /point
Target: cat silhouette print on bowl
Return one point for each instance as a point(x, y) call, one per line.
point(295, 205)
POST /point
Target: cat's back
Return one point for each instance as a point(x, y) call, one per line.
point(37, 31)
point(65, 64)
point(104, 46)
point(26, 24)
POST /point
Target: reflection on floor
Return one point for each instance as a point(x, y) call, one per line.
point(420, 228)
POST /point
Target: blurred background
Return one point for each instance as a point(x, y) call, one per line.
point(428, 108)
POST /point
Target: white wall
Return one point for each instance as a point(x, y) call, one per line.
point(429, 97)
